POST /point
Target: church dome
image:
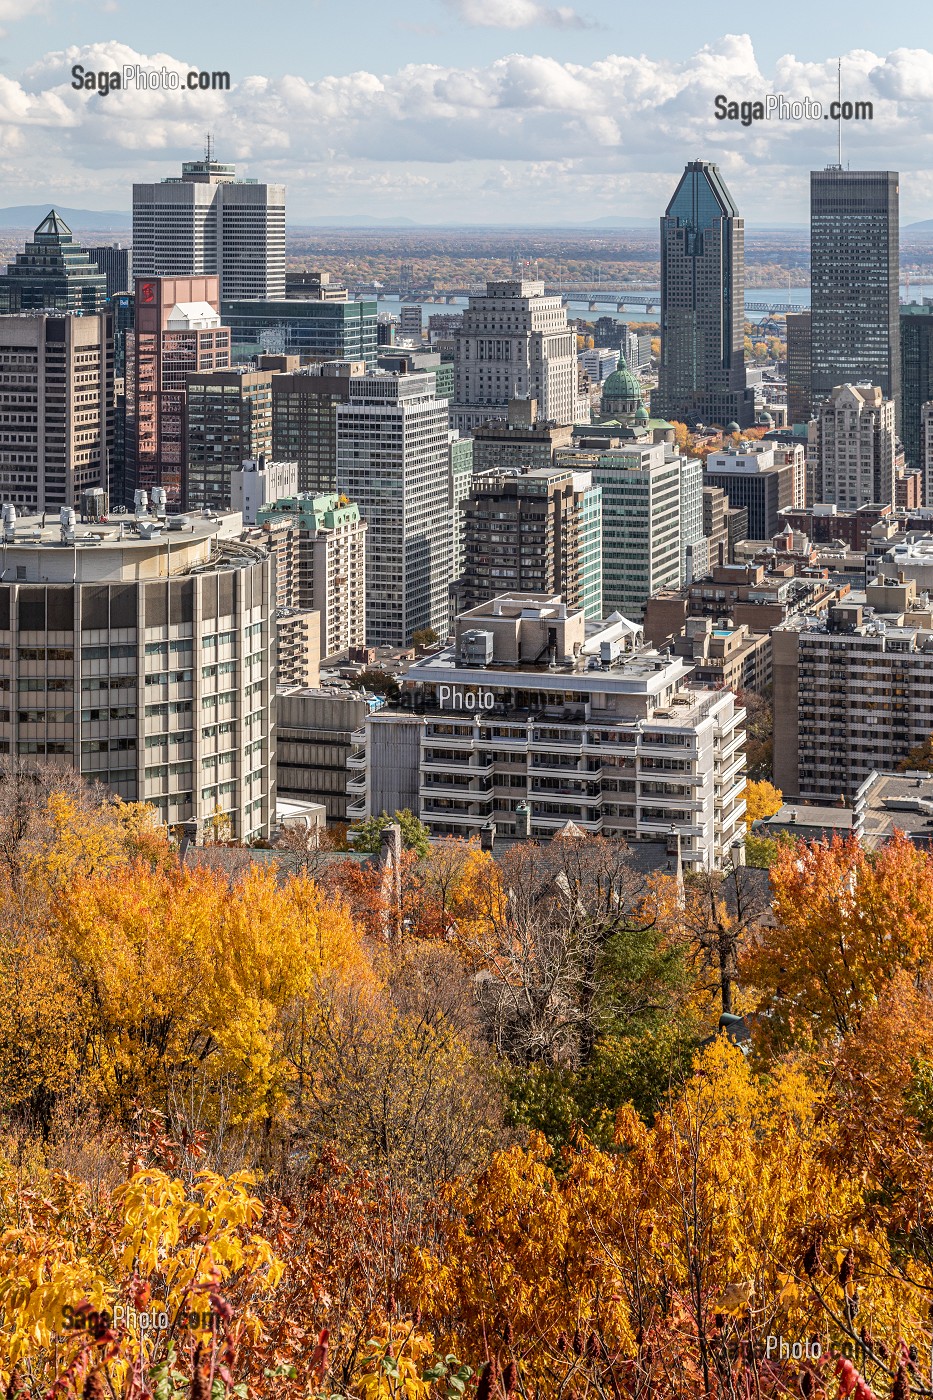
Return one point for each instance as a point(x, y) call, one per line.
point(621, 396)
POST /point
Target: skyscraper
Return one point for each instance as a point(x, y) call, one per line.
point(228, 421)
point(702, 371)
point(116, 264)
point(916, 375)
point(515, 343)
point(799, 403)
point(53, 273)
point(56, 408)
point(854, 250)
point(208, 223)
point(393, 460)
point(177, 331)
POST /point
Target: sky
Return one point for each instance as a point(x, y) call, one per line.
point(463, 111)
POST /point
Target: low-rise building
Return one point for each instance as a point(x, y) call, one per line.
point(313, 742)
point(536, 718)
point(725, 655)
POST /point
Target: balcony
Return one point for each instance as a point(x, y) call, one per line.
point(356, 759)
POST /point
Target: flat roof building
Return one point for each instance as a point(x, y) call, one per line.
point(536, 720)
point(139, 651)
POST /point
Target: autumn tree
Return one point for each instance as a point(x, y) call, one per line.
point(762, 800)
point(846, 921)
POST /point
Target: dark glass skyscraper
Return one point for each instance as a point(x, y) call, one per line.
point(916, 375)
point(702, 371)
point(854, 250)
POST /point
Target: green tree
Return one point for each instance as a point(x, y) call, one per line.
point(367, 834)
point(424, 637)
point(379, 683)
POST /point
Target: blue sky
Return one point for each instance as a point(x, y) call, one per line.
point(461, 110)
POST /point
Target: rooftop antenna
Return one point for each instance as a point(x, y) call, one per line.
point(208, 148)
point(839, 108)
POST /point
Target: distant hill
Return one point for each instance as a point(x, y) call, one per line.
point(31, 215)
point(924, 226)
point(353, 221)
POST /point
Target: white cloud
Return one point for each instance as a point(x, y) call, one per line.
point(526, 136)
point(516, 14)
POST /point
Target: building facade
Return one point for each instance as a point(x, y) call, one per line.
point(304, 420)
point(514, 343)
point(854, 447)
point(799, 401)
point(207, 223)
point(228, 421)
point(314, 730)
point(916, 376)
point(393, 460)
point(177, 331)
point(535, 719)
point(536, 531)
point(701, 376)
point(642, 495)
point(116, 263)
point(753, 479)
point(854, 277)
point(323, 553)
point(56, 408)
point(852, 695)
point(142, 657)
point(519, 440)
point(317, 330)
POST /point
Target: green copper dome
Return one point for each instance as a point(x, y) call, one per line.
point(641, 414)
point(621, 391)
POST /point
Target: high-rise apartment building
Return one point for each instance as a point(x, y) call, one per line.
point(53, 274)
point(207, 223)
point(799, 401)
point(752, 477)
point(537, 531)
point(393, 461)
point(701, 377)
point(228, 422)
point(411, 326)
point(853, 441)
point(854, 253)
point(537, 717)
point(141, 656)
point(56, 408)
point(715, 531)
point(319, 543)
point(304, 418)
point(116, 263)
point(177, 331)
point(916, 376)
point(514, 343)
point(853, 693)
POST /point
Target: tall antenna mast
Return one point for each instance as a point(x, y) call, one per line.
point(208, 152)
point(839, 107)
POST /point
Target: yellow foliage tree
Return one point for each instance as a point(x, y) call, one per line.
point(762, 800)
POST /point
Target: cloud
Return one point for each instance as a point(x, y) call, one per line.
point(516, 14)
point(525, 136)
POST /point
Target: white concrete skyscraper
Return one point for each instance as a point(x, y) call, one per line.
point(393, 460)
point(515, 344)
point(207, 222)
